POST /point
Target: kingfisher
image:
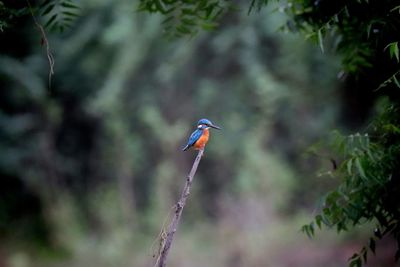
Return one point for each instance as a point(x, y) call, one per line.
point(199, 138)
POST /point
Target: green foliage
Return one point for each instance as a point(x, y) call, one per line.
point(393, 50)
point(183, 18)
point(8, 15)
point(58, 14)
point(369, 187)
point(3, 11)
point(257, 4)
point(358, 30)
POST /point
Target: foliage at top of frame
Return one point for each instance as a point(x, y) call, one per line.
point(369, 187)
point(358, 29)
point(187, 17)
point(58, 14)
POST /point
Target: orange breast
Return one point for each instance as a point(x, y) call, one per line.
point(202, 140)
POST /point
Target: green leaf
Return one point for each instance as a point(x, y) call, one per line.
point(360, 169)
point(395, 8)
point(396, 81)
point(48, 9)
point(356, 262)
point(393, 50)
point(50, 21)
point(45, 3)
point(190, 22)
point(70, 14)
point(320, 40)
point(183, 29)
point(318, 220)
point(168, 19)
point(209, 26)
point(349, 165)
point(187, 11)
point(69, 5)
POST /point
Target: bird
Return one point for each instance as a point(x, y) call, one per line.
point(199, 138)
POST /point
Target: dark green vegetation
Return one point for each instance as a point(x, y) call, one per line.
point(98, 151)
point(365, 33)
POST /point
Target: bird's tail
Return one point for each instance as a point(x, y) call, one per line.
point(185, 148)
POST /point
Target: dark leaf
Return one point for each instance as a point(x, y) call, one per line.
point(69, 5)
point(50, 21)
point(372, 245)
point(45, 3)
point(377, 233)
point(48, 9)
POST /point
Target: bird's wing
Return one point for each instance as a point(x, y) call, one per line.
point(194, 137)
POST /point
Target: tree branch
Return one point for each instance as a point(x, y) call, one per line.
point(178, 213)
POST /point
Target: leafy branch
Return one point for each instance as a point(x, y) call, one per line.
point(186, 18)
point(58, 14)
point(369, 183)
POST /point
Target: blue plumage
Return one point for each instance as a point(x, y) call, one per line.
point(193, 138)
point(202, 127)
point(204, 121)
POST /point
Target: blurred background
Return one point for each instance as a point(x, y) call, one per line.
point(91, 166)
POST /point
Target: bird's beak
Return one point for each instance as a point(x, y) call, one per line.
point(215, 127)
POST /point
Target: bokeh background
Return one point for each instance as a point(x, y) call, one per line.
point(91, 167)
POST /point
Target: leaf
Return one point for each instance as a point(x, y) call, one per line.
point(69, 5)
point(59, 14)
point(349, 165)
point(168, 19)
point(48, 9)
point(360, 169)
point(318, 220)
point(70, 14)
point(209, 26)
point(377, 233)
point(396, 81)
point(183, 29)
point(50, 21)
point(372, 245)
point(320, 40)
point(356, 262)
point(187, 11)
point(252, 4)
point(369, 30)
point(308, 230)
point(393, 50)
point(395, 8)
point(45, 3)
point(364, 254)
point(190, 22)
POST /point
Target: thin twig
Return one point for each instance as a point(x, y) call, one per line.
point(161, 237)
point(162, 261)
point(45, 42)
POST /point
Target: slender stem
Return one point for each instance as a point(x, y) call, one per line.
point(45, 42)
point(178, 212)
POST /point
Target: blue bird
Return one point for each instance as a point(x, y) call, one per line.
point(199, 138)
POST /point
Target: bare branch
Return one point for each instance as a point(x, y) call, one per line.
point(166, 244)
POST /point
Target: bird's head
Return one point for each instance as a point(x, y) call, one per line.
point(205, 124)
